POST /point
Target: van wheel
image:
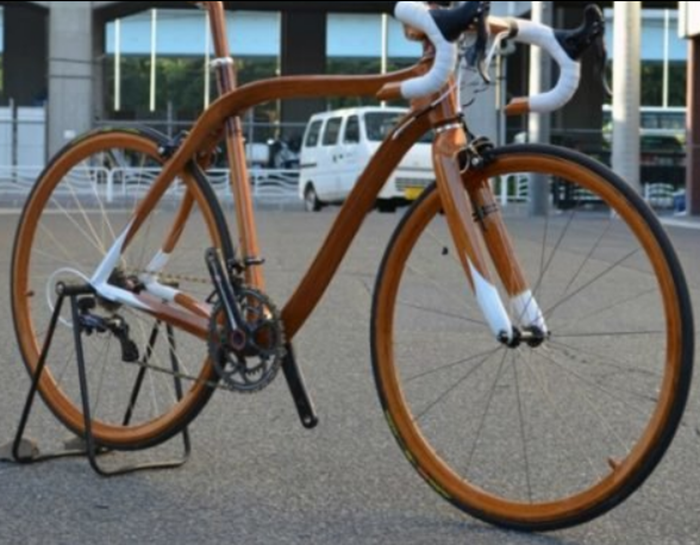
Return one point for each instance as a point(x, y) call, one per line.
point(311, 202)
point(386, 206)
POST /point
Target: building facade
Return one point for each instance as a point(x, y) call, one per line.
point(95, 62)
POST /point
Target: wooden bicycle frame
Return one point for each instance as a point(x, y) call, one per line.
point(222, 119)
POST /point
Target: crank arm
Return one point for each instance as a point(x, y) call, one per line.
point(224, 290)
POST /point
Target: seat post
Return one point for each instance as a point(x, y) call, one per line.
point(227, 82)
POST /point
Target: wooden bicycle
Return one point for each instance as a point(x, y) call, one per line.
point(533, 369)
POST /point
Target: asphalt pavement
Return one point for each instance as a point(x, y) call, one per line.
point(257, 477)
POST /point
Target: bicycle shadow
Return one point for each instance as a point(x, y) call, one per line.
point(438, 530)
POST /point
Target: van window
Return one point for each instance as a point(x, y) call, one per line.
point(312, 135)
point(352, 130)
point(330, 137)
point(380, 124)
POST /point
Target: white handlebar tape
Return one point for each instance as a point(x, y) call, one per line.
point(416, 15)
point(570, 76)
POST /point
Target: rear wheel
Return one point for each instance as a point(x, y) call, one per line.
point(81, 203)
point(551, 436)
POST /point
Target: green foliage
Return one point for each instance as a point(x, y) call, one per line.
point(653, 82)
point(361, 67)
point(179, 81)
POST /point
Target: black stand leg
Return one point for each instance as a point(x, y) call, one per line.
point(92, 450)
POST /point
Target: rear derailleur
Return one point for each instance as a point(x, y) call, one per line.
point(90, 324)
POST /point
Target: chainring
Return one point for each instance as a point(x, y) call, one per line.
point(253, 368)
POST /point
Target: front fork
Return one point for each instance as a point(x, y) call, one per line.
point(475, 222)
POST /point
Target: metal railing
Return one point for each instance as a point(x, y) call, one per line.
point(515, 188)
point(117, 185)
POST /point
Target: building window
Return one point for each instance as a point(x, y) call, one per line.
point(180, 85)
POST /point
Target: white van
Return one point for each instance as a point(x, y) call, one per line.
point(337, 146)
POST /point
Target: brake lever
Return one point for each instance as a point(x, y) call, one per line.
point(602, 54)
point(476, 54)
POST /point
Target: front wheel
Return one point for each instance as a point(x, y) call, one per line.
point(547, 437)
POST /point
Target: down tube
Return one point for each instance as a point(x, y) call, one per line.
point(348, 223)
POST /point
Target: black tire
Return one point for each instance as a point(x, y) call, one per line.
point(622, 419)
point(86, 220)
point(311, 200)
point(386, 206)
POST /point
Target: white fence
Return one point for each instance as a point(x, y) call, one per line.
point(515, 188)
point(269, 187)
point(22, 136)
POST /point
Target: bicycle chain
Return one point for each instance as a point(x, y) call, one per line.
point(174, 278)
point(169, 278)
point(214, 385)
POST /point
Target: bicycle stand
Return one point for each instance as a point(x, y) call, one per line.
point(25, 451)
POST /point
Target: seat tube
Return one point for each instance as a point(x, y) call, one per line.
point(449, 141)
point(235, 149)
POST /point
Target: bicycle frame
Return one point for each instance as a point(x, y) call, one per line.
point(440, 113)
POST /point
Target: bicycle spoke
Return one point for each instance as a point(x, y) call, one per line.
point(156, 359)
point(587, 258)
point(172, 350)
point(609, 334)
point(613, 306)
point(88, 223)
point(583, 288)
point(453, 388)
point(144, 340)
point(482, 423)
point(140, 263)
point(97, 396)
point(56, 244)
point(543, 273)
point(603, 390)
point(521, 418)
point(64, 369)
point(452, 365)
point(103, 210)
point(592, 405)
point(88, 237)
point(556, 413)
point(442, 313)
point(607, 359)
point(545, 238)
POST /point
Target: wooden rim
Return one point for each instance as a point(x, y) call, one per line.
point(428, 463)
point(30, 346)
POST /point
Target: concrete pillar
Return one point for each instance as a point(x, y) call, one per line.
point(24, 57)
point(71, 71)
point(539, 126)
point(100, 68)
point(693, 161)
point(627, 91)
point(303, 52)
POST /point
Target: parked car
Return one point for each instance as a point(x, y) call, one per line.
point(337, 146)
point(661, 150)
